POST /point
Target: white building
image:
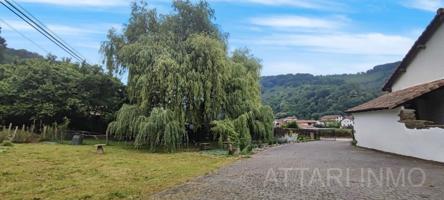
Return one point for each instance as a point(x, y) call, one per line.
point(346, 123)
point(331, 118)
point(409, 119)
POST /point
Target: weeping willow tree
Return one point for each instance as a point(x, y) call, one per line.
point(182, 82)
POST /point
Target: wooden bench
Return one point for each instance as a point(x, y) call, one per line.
point(204, 146)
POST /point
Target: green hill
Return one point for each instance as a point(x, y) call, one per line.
point(308, 96)
point(10, 55)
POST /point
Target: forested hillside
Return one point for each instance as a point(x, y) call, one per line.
point(13, 55)
point(9, 55)
point(308, 96)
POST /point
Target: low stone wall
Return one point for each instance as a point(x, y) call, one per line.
point(285, 135)
point(314, 133)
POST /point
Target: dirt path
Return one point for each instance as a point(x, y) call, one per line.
point(318, 170)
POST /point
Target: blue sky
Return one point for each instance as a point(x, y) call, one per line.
point(289, 36)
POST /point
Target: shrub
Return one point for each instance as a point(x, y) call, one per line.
point(55, 132)
point(292, 124)
point(24, 136)
point(6, 143)
point(4, 135)
point(333, 124)
point(302, 138)
point(336, 132)
point(354, 142)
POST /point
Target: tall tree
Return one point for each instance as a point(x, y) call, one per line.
point(179, 69)
point(47, 91)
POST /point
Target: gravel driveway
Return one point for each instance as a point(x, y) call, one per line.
point(318, 170)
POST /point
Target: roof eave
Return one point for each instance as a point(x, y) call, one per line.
point(365, 110)
point(419, 44)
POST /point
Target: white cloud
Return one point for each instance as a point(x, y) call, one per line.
point(312, 4)
point(276, 67)
point(333, 66)
point(428, 5)
point(294, 21)
point(377, 44)
point(18, 25)
point(309, 4)
point(78, 30)
point(95, 3)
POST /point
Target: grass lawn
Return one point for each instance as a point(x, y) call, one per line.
point(54, 171)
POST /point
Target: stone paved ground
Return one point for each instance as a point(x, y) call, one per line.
point(318, 170)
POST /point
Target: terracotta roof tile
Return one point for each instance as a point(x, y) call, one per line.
point(395, 99)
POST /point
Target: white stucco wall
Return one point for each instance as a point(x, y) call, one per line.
point(381, 130)
point(427, 66)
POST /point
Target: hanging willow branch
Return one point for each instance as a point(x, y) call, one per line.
point(256, 124)
point(162, 129)
point(124, 126)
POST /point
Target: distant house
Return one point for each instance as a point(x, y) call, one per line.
point(331, 118)
point(409, 118)
point(306, 123)
point(284, 121)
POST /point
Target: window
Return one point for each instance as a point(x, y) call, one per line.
point(425, 111)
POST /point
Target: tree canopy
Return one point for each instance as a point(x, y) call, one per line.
point(46, 91)
point(179, 70)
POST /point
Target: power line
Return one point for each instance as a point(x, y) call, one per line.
point(43, 25)
point(39, 28)
point(33, 26)
point(24, 36)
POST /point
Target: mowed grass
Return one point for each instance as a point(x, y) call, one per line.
point(53, 171)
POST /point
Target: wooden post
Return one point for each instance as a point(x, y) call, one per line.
point(9, 129)
point(55, 132)
point(107, 141)
point(44, 133)
point(15, 132)
point(61, 136)
point(32, 127)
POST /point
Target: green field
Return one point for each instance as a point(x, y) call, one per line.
point(54, 171)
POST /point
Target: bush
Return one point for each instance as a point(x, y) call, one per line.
point(17, 135)
point(56, 132)
point(354, 143)
point(302, 138)
point(333, 124)
point(6, 143)
point(4, 135)
point(292, 124)
point(336, 132)
point(23, 136)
